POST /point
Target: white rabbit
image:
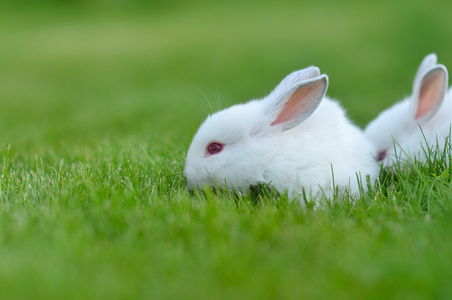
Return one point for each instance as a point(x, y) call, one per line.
point(404, 131)
point(290, 139)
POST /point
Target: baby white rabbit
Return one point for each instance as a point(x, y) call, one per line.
point(290, 139)
point(406, 130)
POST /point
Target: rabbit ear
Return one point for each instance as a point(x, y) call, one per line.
point(295, 78)
point(428, 63)
point(429, 93)
point(291, 107)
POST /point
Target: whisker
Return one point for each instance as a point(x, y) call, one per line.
point(219, 99)
point(208, 102)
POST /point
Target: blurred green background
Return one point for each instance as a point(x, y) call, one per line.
point(99, 100)
point(74, 72)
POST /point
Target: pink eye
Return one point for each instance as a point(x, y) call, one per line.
point(381, 155)
point(214, 148)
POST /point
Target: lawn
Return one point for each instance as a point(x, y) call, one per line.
point(99, 101)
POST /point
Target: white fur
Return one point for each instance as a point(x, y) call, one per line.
point(405, 134)
point(302, 152)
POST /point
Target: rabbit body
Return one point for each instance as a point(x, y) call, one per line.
point(263, 143)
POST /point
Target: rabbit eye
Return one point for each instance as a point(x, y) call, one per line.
point(214, 148)
point(381, 155)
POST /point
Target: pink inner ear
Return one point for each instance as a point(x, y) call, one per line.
point(292, 107)
point(431, 93)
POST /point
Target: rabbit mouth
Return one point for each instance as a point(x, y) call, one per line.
point(208, 189)
point(255, 192)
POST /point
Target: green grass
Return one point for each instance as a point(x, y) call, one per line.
point(99, 102)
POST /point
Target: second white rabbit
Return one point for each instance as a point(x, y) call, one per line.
point(411, 128)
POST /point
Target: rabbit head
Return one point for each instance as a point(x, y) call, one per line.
point(233, 147)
